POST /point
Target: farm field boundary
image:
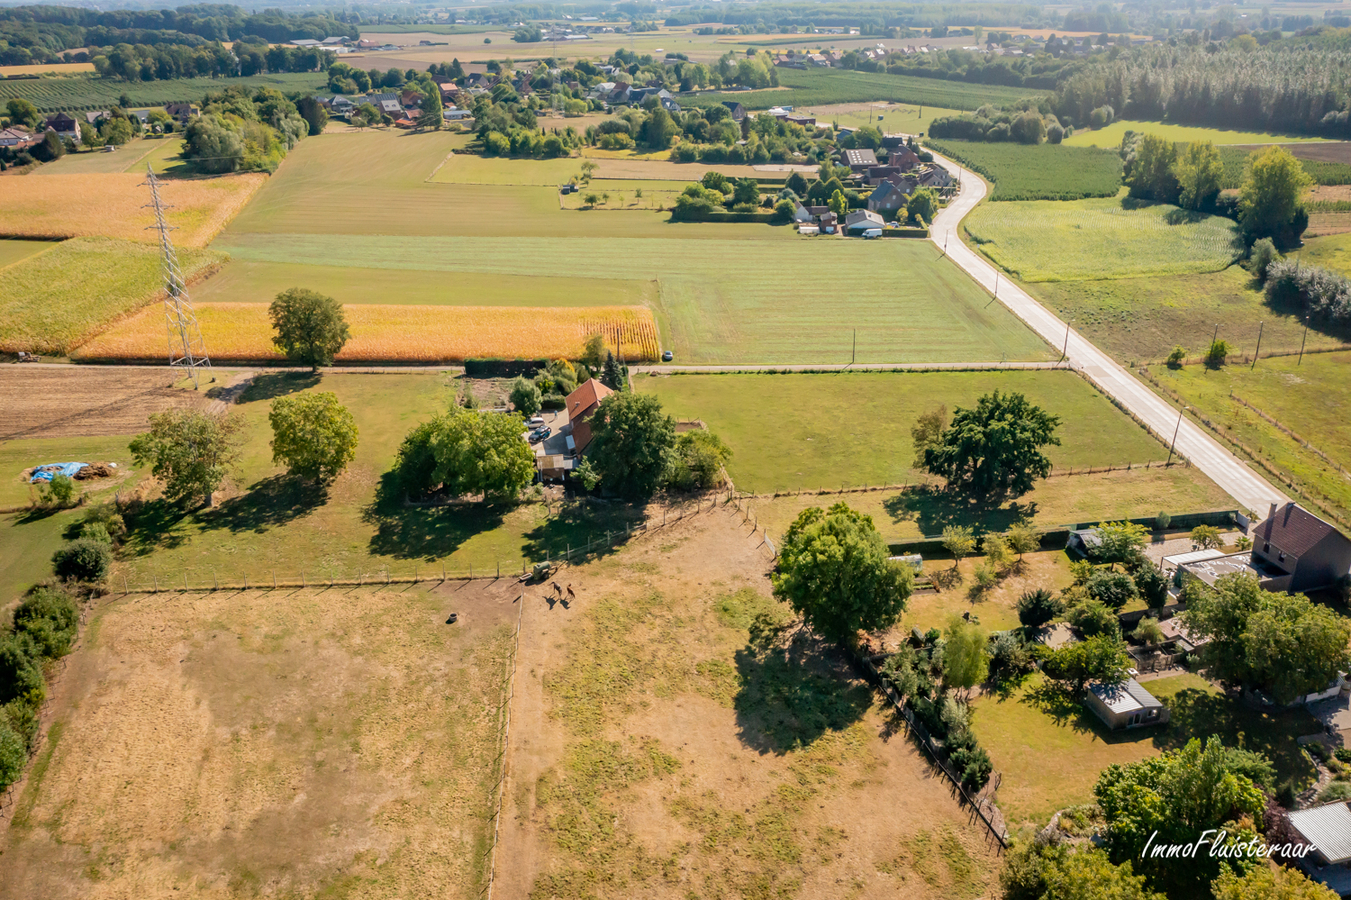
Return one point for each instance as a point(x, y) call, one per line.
point(1041, 172)
point(243, 332)
point(73, 94)
point(806, 87)
point(1110, 136)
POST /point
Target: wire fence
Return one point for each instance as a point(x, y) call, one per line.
point(982, 805)
point(1288, 432)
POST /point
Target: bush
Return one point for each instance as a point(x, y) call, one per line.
point(1037, 607)
point(1263, 255)
point(1009, 657)
point(48, 616)
point(1343, 754)
point(1218, 354)
point(83, 560)
point(1055, 134)
point(97, 532)
point(525, 396)
point(59, 492)
point(1093, 618)
point(1175, 358)
point(1161, 521)
point(20, 669)
point(1112, 589)
point(13, 754)
point(1101, 117)
point(105, 514)
point(1337, 790)
point(1320, 293)
point(1152, 585)
point(973, 767)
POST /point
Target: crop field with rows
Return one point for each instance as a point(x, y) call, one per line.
point(431, 334)
point(114, 205)
point(87, 93)
point(53, 301)
point(1042, 172)
point(1050, 241)
point(811, 87)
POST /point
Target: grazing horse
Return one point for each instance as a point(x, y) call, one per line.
point(556, 589)
point(571, 595)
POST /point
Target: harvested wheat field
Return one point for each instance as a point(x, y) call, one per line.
point(89, 401)
point(113, 205)
point(674, 734)
point(387, 332)
point(296, 743)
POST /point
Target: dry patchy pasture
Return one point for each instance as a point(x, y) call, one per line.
point(335, 743)
point(113, 205)
point(432, 334)
point(675, 736)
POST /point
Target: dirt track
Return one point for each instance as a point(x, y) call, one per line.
point(84, 401)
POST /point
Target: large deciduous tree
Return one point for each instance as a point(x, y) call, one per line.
point(465, 451)
point(1271, 194)
point(835, 572)
point(631, 444)
point(189, 452)
point(1199, 172)
point(1174, 799)
point(965, 662)
point(995, 448)
point(1284, 645)
point(310, 327)
point(313, 435)
point(1101, 658)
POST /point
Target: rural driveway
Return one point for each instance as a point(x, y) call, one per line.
point(1251, 491)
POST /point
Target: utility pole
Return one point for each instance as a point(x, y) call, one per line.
point(853, 354)
point(1173, 445)
point(1064, 351)
point(1214, 337)
point(1303, 341)
point(187, 350)
point(1260, 326)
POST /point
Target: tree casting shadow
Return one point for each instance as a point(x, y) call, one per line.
point(278, 384)
point(934, 509)
point(427, 532)
point(270, 503)
point(793, 690)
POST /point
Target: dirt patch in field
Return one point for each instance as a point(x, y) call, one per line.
point(1326, 192)
point(1323, 224)
point(675, 735)
point(270, 743)
point(86, 401)
point(1322, 151)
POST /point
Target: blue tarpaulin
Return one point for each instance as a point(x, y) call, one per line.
point(51, 470)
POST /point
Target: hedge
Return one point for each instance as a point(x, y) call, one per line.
point(503, 368)
point(905, 232)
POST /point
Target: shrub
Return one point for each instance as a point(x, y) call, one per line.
point(97, 532)
point(1337, 790)
point(13, 754)
point(49, 616)
point(1148, 632)
point(1343, 754)
point(1175, 358)
point(985, 576)
point(1218, 354)
point(59, 492)
point(1161, 521)
point(1055, 134)
point(1322, 294)
point(1009, 657)
point(83, 560)
point(1264, 253)
point(1152, 585)
point(105, 514)
point(20, 669)
point(1037, 607)
point(1112, 589)
point(1093, 618)
point(525, 396)
point(973, 767)
point(1101, 117)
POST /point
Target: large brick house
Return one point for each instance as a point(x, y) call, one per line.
point(1313, 553)
point(582, 404)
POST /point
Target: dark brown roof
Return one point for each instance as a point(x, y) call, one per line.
point(1294, 529)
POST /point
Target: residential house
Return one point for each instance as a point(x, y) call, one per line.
point(64, 126)
point(94, 117)
point(581, 405)
point(890, 196)
point(1126, 705)
point(1312, 552)
point(860, 160)
point(861, 220)
point(804, 121)
point(1327, 829)
point(410, 99)
point(17, 139)
point(828, 221)
point(621, 92)
point(902, 157)
point(738, 111)
point(183, 112)
point(818, 59)
point(878, 174)
point(341, 105)
point(936, 177)
point(894, 141)
point(449, 91)
point(457, 115)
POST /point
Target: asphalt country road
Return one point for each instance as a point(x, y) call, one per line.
point(1250, 490)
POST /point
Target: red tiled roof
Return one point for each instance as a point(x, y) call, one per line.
point(587, 394)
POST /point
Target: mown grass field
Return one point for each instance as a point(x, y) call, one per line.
point(402, 333)
point(725, 293)
point(1331, 252)
point(334, 743)
point(57, 300)
point(1088, 239)
point(908, 118)
point(864, 438)
point(1110, 137)
point(114, 205)
point(132, 157)
point(1043, 172)
point(1143, 319)
point(12, 252)
point(905, 515)
point(88, 93)
point(813, 87)
point(1032, 725)
point(1309, 398)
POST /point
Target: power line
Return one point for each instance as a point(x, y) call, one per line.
point(187, 349)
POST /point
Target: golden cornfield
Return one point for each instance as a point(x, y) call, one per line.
point(387, 332)
point(113, 205)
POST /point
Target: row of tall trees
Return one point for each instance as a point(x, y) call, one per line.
point(243, 130)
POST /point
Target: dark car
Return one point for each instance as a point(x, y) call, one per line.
point(540, 434)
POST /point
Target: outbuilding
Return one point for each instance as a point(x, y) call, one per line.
point(1125, 705)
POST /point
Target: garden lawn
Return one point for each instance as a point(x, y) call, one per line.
point(266, 522)
point(1034, 725)
point(1089, 239)
point(1110, 137)
point(1310, 398)
point(53, 302)
point(1142, 319)
point(127, 158)
point(995, 609)
point(906, 515)
point(1042, 172)
point(823, 431)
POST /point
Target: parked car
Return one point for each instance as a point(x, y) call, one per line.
point(667, 356)
point(540, 434)
point(536, 422)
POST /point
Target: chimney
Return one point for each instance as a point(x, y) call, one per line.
point(1271, 514)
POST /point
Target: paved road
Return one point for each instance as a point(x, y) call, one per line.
point(1207, 454)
